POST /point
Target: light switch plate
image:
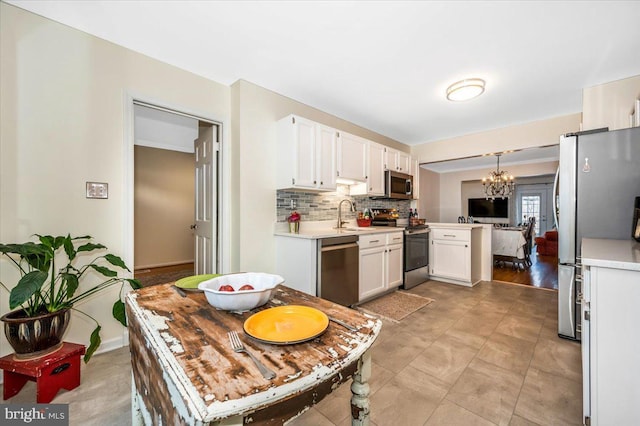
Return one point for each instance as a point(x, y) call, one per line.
point(97, 190)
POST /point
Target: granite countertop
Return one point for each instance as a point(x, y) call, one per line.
point(311, 232)
point(617, 254)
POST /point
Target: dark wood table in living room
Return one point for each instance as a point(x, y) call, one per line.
point(185, 371)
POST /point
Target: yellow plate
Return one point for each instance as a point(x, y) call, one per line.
point(284, 325)
point(191, 283)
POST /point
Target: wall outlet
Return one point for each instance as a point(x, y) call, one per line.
point(97, 190)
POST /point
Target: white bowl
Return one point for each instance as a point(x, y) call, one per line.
point(240, 300)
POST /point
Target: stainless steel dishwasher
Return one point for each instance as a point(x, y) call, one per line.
point(338, 269)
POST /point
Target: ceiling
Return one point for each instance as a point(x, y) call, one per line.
point(384, 65)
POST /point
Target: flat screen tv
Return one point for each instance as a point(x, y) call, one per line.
point(480, 207)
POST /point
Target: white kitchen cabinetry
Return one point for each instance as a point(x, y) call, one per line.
point(375, 169)
point(455, 255)
point(296, 262)
point(397, 161)
point(610, 338)
point(352, 157)
point(380, 263)
point(306, 154)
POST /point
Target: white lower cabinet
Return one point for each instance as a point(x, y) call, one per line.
point(455, 255)
point(380, 263)
point(450, 259)
point(610, 337)
point(296, 262)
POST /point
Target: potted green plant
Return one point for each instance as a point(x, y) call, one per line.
point(46, 293)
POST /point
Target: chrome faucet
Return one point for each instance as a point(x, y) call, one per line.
point(340, 221)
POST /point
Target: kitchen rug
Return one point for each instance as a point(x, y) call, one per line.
point(395, 306)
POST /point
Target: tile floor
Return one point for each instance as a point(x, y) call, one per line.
point(487, 355)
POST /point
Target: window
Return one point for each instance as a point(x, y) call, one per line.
point(530, 207)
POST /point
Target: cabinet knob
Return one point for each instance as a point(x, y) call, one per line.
point(321, 183)
point(314, 182)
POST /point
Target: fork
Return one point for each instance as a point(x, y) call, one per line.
point(238, 346)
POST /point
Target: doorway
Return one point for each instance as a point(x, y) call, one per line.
point(175, 194)
point(533, 199)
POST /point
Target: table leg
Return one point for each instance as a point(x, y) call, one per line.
point(360, 390)
point(136, 412)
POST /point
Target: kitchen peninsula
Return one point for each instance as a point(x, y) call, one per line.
point(456, 253)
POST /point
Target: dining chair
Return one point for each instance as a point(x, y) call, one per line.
point(528, 236)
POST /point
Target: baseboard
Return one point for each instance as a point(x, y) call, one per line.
point(113, 344)
point(164, 265)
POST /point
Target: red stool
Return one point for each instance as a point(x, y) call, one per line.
point(60, 369)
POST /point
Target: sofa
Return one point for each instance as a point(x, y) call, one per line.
point(547, 245)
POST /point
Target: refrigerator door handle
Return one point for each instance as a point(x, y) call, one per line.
point(555, 197)
point(567, 301)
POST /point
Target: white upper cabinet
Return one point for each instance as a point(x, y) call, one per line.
point(375, 169)
point(397, 161)
point(404, 162)
point(327, 144)
point(306, 154)
point(352, 157)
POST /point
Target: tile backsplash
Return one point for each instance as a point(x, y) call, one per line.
point(314, 206)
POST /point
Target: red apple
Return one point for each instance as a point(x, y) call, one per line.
point(226, 288)
point(246, 287)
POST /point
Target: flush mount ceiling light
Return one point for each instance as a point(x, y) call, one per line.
point(464, 90)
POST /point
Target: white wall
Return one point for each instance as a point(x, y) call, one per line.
point(609, 105)
point(62, 124)
point(429, 201)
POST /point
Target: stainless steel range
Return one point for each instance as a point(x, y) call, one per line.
point(415, 248)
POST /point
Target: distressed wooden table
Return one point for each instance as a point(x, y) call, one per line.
point(185, 372)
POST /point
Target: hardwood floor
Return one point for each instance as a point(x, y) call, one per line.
point(543, 272)
point(163, 274)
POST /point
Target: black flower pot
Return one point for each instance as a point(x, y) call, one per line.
point(32, 337)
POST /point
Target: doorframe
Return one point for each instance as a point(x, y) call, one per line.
point(223, 172)
point(546, 189)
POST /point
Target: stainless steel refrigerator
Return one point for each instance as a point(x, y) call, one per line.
point(598, 180)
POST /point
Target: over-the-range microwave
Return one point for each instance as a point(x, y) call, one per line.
point(398, 185)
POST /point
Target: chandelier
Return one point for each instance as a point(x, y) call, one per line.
point(499, 183)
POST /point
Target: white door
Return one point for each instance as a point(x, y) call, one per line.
point(372, 272)
point(450, 259)
point(327, 141)
point(305, 131)
point(394, 266)
point(375, 171)
point(536, 203)
point(206, 150)
point(352, 153)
